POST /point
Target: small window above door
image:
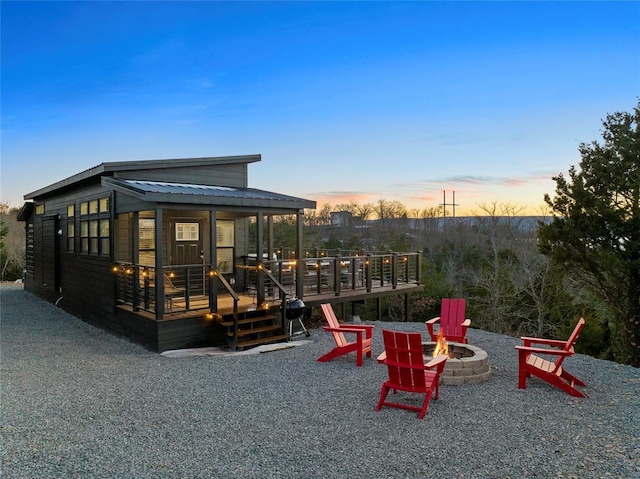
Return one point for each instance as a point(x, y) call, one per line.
point(187, 232)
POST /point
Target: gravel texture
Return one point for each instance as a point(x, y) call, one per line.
point(78, 402)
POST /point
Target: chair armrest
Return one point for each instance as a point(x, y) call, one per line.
point(554, 352)
point(347, 330)
point(433, 321)
point(549, 342)
point(437, 364)
point(382, 357)
point(466, 323)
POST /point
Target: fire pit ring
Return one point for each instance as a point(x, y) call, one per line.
point(467, 364)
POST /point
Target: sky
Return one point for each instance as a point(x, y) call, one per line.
point(345, 101)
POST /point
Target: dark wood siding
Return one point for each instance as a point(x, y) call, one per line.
point(217, 175)
point(189, 333)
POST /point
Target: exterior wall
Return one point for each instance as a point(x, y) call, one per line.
point(80, 283)
point(232, 175)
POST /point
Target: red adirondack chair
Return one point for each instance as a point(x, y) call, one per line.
point(361, 345)
point(552, 372)
point(451, 320)
point(408, 371)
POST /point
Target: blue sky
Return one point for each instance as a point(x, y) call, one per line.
point(354, 101)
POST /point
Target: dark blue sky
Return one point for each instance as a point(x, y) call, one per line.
point(356, 101)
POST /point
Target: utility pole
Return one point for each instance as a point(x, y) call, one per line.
point(444, 205)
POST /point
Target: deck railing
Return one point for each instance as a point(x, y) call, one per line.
point(186, 287)
point(340, 274)
point(196, 287)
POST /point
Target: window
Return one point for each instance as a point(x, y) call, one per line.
point(187, 231)
point(225, 242)
point(147, 241)
point(95, 227)
point(71, 228)
point(71, 236)
point(40, 209)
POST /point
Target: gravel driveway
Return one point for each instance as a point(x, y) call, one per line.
point(78, 402)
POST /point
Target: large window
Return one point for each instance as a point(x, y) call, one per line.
point(95, 227)
point(225, 242)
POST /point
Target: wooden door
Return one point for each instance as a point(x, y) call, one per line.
point(186, 242)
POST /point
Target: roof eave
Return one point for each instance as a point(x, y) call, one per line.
point(112, 167)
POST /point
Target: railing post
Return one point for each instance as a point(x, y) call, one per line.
point(136, 287)
point(145, 294)
point(187, 287)
point(394, 270)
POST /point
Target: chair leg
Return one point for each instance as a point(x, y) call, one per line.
point(571, 378)
point(383, 395)
point(425, 404)
point(522, 377)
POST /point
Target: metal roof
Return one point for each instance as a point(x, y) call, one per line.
point(166, 192)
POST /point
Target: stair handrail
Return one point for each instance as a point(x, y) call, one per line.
point(235, 297)
point(283, 293)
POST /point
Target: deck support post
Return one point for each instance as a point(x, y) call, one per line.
point(159, 278)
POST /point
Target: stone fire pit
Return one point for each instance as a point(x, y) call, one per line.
point(466, 364)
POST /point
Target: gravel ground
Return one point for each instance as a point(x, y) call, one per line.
point(78, 402)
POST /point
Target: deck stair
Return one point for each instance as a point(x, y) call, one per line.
point(255, 328)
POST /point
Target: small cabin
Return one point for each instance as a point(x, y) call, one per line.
point(160, 252)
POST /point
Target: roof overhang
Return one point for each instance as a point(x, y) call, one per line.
point(108, 169)
point(206, 195)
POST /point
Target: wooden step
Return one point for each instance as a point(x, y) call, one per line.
point(261, 329)
point(260, 341)
point(253, 319)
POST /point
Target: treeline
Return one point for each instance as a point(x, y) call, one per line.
point(493, 262)
point(12, 244)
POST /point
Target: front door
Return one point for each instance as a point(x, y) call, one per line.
point(187, 242)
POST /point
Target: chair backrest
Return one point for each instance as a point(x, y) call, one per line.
point(452, 315)
point(332, 320)
point(574, 335)
point(405, 359)
point(568, 346)
point(168, 284)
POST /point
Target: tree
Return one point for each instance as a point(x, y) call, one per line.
point(595, 230)
point(12, 244)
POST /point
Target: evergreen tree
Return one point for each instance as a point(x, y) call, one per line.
point(595, 232)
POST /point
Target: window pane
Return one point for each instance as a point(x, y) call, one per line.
point(84, 208)
point(146, 234)
point(93, 228)
point(39, 209)
point(104, 228)
point(84, 245)
point(104, 205)
point(93, 206)
point(71, 211)
point(93, 245)
point(225, 260)
point(84, 229)
point(104, 246)
point(225, 233)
